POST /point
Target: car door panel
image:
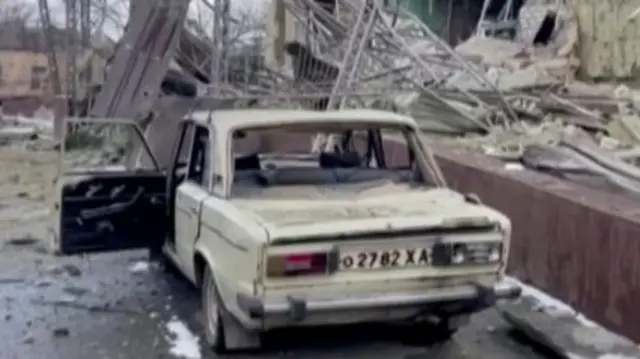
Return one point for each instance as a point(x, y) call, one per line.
point(189, 199)
point(190, 195)
point(111, 211)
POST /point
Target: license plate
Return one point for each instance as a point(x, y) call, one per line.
point(392, 258)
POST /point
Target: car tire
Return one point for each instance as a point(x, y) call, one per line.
point(213, 313)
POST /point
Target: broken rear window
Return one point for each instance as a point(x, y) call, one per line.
point(357, 154)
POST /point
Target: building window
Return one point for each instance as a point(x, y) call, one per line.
point(38, 75)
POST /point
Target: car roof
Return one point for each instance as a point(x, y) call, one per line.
point(226, 121)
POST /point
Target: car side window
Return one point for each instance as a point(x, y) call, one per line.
point(359, 143)
point(395, 149)
point(199, 170)
point(185, 145)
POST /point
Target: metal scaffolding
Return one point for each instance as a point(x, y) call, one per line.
point(346, 54)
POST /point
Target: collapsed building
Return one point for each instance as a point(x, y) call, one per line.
point(507, 87)
point(499, 77)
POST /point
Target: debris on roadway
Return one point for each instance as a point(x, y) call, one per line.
point(566, 335)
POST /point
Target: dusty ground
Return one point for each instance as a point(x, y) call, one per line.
point(118, 306)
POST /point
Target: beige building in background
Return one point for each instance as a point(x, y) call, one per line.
point(26, 73)
point(23, 73)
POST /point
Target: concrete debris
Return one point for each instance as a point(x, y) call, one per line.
point(509, 86)
point(61, 332)
point(28, 339)
point(509, 94)
point(565, 335)
point(72, 270)
point(582, 132)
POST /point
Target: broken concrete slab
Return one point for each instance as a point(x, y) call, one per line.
point(564, 334)
point(625, 128)
point(18, 133)
point(492, 51)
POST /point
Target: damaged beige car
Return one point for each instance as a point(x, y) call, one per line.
point(275, 235)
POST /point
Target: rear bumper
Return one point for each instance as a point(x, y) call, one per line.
point(298, 308)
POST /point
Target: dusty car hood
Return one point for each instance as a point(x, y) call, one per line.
point(401, 209)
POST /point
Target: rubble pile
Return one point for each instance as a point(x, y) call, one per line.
point(21, 130)
point(512, 96)
point(600, 148)
point(588, 133)
point(87, 145)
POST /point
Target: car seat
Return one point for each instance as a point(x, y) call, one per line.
point(340, 160)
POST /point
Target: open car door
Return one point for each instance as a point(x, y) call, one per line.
point(105, 201)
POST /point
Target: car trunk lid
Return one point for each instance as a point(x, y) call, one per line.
point(295, 221)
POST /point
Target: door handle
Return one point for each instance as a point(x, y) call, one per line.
point(193, 210)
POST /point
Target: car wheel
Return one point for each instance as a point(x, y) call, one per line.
point(212, 308)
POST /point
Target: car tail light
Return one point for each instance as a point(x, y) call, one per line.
point(486, 253)
point(291, 265)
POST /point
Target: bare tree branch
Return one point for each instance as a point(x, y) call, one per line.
point(17, 11)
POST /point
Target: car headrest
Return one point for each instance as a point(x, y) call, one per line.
point(339, 160)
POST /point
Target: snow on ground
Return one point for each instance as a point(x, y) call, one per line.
point(139, 267)
point(184, 344)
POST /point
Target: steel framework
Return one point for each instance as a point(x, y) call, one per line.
point(352, 53)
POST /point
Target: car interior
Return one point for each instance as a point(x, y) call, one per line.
point(355, 164)
point(112, 211)
point(106, 209)
point(330, 169)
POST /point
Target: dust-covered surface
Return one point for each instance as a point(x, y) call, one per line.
point(121, 306)
point(26, 190)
